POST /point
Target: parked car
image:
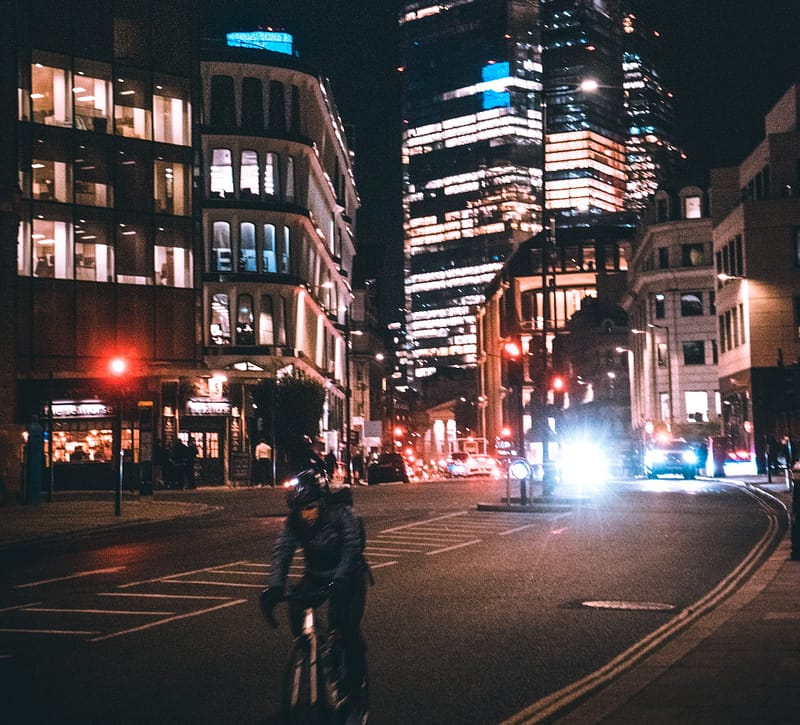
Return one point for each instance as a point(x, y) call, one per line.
point(388, 468)
point(674, 456)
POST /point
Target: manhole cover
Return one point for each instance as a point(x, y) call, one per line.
point(640, 606)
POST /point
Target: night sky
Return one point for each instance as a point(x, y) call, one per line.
point(727, 62)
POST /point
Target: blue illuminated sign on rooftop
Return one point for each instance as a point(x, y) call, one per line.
point(493, 72)
point(263, 40)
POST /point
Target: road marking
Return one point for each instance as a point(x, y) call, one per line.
point(177, 617)
point(94, 611)
point(46, 631)
point(382, 564)
point(417, 523)
point(143, 595)
point(20, 606)
point(634, 606)
point(211, 582)
point(776, 616)
point(170, 576)
point(456, 546)
point(77, 575)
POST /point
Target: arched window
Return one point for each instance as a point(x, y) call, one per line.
point(284, 260)
point(247, 247)
point(223, 107)
point(289, 179)
point(248, 175)
point(221, 247)
point(272, 181)
point(221, 173)
point(294, 117)
point(266, 324)
point(268, 261)
point(277, 108)
point(220, 325)
point(252, 105)
point(245, 333)
point(283, 322)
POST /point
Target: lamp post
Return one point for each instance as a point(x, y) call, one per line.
point(118, 367)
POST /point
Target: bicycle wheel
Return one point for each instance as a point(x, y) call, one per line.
point(299, 707)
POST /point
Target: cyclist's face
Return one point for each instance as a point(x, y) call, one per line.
point(310, 513)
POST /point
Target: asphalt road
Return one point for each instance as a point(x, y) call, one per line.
point(475, 614)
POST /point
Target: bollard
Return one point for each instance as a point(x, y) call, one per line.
point(35, 463)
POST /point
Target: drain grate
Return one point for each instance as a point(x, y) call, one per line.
point(638, 606)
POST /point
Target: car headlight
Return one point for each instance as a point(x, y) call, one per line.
point(652, 457)
point(689, 457)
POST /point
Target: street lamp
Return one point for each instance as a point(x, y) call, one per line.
point(118, 368)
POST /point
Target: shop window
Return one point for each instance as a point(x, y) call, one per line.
point(691, 304)
point(694, 352)
point(268, 257)
point(221, 247)
point(94, 249)
point(223, 109)
point(220, 326)
point(92, 179)
point(245, 334)
point(252, 105)
point(134, 254)
point(248, 175)
point(221, 173)
point(266, 322)
point(132, 107)
point(91, 96)
point(277, 108)
point(134, 182)
point(171, 111)
point(173, 255)
point(272, 184)
point(52, 248)
point(290, 179)
point(171, 187)
point(51, 90)
point(247, 247)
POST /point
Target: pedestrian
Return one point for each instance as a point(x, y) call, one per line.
point(191, 464)
point(180, 464)
point(263, 464)
point(330, 463)
point(358, 467)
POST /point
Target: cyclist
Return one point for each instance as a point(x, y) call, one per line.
point(332, 541)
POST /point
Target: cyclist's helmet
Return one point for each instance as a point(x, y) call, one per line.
point(305, 488)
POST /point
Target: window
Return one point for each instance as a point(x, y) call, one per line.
point(266, 325)
point(294, 118)
point(221, 247)
point(51, 86)
point(692, 207)
point(691, 304)
point(248, 175)
point(277, 108)
point(662, 355)
point(693, 255)
point(221, 173)
point(272, 183)
point(134, 253)
point(171, 187)
point(132, 107)
point(173, 254)
point(245, 334)
point(268, 260)
point(171, 111)
point(662, 210)
point(91, 175)
point(252, 105)
point(714, 352)
point(283, 322)
point(663, 258)
point(247, 247)
point(283, 253)
point(696, 406)
point(52, 248)
point(659, 302)
point(289, 196)
point(223, 109)
point(134, 181)
point(220, 325)
point(694, 352)
point(91, 96)
point(51, 171)
point(94, 249)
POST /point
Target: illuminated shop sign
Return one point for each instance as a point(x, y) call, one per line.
point(263, 40)
point(82, 409)
point(208, 407)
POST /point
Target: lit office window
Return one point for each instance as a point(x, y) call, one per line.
point(52, 248)
point(266, 322)
point(220, 319)
point(51, 172)
point(248, 175)
point(221, 259)
point(171, 187)
point(51, 90)
point(221, 173)
point(245, 333)
point(272, 183)
point(92, 179)
point(91, 96)
point(290, 179)
point(269, 263)
point(247, 247)
point(173, 255)
point(171, 111)
point(94, 249)
point(132, 107)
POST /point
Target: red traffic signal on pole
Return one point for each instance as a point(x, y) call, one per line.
point(118, 366)
point(558, 386)
point(512, 350)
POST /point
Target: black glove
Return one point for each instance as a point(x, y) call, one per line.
point(267, 601)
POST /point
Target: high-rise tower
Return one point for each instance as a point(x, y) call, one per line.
point(471, 162)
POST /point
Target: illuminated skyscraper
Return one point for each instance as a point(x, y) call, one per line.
point(471, 161)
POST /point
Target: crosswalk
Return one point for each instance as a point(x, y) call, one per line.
point(133, 607)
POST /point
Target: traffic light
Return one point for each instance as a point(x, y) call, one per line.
point(558, 387)
point(512, 353)
point(118, 366)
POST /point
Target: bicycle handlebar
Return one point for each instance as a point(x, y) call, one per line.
point(308, 598)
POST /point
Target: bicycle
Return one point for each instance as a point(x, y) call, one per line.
point(313, 686)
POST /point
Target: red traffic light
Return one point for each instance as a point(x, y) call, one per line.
point(118, 366)
point(557, 384)
point(512, 349)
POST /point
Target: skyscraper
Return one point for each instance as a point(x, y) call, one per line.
point(471, 162)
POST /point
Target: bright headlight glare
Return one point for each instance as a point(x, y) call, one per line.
point(519, 469)
point(690, 457)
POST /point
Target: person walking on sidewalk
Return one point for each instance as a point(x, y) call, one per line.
point(263, 456)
